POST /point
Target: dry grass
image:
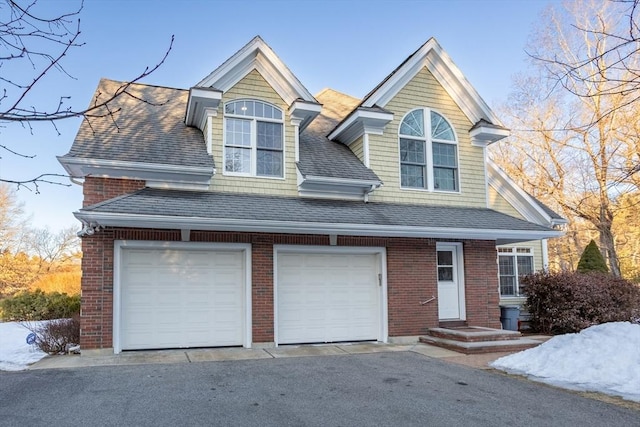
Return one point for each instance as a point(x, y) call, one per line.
point(67, 282)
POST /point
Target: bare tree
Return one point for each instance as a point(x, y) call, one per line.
point(32, 45)
point(12, 220)
point(53, 249)
point(610, 67)
point(575, 141)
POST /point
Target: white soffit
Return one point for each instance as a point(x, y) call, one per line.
point(359, 122)
point(437, 61)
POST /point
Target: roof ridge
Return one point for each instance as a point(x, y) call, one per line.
point(120, 82)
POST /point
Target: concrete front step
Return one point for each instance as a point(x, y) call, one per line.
point(474, 334)
point(480, 347)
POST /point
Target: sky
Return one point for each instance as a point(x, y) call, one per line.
point(347, 45)
point(603, 358)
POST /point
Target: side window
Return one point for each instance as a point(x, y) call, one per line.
point(513, 263)
point(428, 152)
point(253, 139)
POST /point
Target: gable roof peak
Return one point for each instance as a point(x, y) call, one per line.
point(258, 55)
point(432, 56)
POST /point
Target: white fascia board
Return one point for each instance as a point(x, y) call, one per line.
point(247, 51)
point(438, 62)
point(95, 219)
point(201, 99)
point(358, 122)
point(400, 78)
point(258, 55)
point(159, 173)
point(516, 196)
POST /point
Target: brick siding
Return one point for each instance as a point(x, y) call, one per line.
point(411, 274)
point(96, 190)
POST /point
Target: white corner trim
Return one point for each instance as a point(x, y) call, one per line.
point(365, 149)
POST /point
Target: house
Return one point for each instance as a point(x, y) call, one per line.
point(245, 211)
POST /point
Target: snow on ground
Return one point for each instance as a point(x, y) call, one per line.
point(15, 353)
point(603, 358)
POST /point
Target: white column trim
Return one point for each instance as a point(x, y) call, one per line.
point(365, 149)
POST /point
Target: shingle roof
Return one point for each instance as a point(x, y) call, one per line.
point(321, 157)
point(210, 205)
point(147, 125)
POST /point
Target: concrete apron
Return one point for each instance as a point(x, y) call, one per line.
point(236, 353)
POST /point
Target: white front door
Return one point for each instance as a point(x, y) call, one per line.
point(450, 282)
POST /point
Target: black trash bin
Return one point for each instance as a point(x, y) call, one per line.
point(509, 315)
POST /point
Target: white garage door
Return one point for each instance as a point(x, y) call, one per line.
point(177, 298)
point(327, 297)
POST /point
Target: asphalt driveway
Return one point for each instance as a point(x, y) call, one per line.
point(381, 389)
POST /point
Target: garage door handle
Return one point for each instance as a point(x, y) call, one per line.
point(427, 301)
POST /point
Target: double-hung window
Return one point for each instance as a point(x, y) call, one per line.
point(428, 152)
point(513, 263)
point(254, 139)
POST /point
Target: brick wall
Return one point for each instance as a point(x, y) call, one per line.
point(96, 190)
point(411, 273)
point(411, 278)
point(481, 284)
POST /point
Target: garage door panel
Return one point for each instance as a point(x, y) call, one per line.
point(174, 298)
point(327, 297)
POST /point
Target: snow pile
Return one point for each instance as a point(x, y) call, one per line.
point(15, 353)
point(603, 358)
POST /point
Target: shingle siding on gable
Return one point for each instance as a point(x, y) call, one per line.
point(254, 86)
point(424, 91)
point(357, 148)
point(500, 204)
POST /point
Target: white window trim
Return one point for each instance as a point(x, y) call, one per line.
point(428, 141)
point(513, 252)
point(254, 141)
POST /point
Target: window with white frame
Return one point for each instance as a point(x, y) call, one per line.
point(428, 152)
point(513, 263)
point(253, 139)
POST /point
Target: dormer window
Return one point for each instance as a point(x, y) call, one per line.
point(253, 139)
point(428, 152)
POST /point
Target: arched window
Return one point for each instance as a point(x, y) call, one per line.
point(253, 139)
point(428, 152)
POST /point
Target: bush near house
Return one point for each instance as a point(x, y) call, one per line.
point(38, 305)
point(56, 336)
point(569, 302)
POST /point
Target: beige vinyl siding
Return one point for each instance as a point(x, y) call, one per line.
point(254, 86)
point(500, 204)
point(424, 91)
point(357, 147)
